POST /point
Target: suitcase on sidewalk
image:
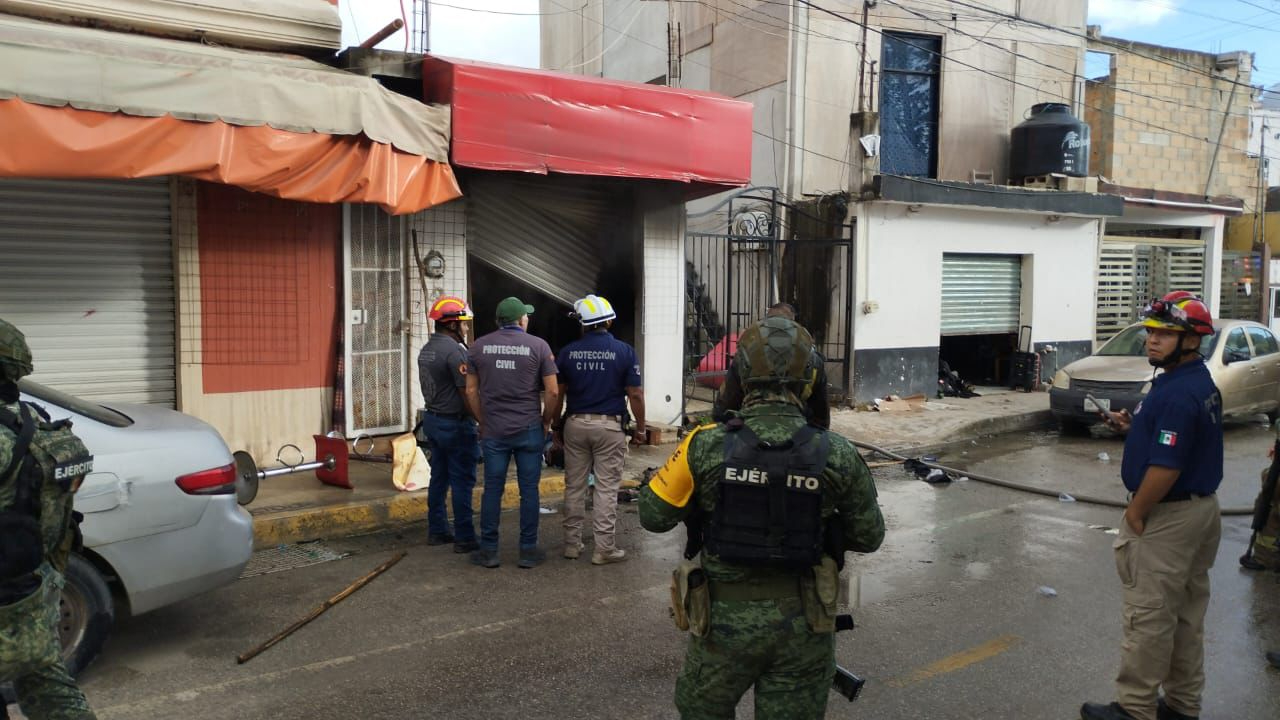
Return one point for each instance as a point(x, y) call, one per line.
point(1024, 365)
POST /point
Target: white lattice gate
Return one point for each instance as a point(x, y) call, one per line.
point(376, 338)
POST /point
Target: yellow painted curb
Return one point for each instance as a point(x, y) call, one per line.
point(344, 519)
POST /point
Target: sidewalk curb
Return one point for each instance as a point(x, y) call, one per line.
point(1021, 422)
point(334, 521)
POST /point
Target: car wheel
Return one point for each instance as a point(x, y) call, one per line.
point(1273, 415)
point(1067, 426)
point(86, 614)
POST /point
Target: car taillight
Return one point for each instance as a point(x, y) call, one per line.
point(215, 481)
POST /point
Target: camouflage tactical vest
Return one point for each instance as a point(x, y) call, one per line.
point(46, 464)
point(769, 506)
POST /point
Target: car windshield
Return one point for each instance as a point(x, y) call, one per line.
point(93, 411)
point(1132, 341)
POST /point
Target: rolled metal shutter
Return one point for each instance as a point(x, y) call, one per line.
point(544, 231)
point(87, 275)
point(981, 294)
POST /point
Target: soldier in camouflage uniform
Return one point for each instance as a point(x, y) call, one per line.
point(37, 485)
point(780, 502)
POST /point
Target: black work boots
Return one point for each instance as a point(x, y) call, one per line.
point(1098, 711)
point(1164, 712)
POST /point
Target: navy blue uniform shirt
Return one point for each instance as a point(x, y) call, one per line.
point(1178, 425)
point(597, 368)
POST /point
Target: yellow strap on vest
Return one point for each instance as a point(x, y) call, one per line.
point(673, 483)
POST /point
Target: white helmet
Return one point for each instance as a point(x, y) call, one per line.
point(593, 310)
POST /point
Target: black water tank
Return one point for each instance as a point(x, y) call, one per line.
point(1052, 140)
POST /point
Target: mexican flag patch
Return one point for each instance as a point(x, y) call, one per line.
point(1167, 438)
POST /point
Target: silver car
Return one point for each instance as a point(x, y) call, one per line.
point(1243, 358)
point(161, 522)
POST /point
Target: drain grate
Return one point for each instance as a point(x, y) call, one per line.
point(289, 557)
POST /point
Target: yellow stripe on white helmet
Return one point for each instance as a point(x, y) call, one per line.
point(593, 310)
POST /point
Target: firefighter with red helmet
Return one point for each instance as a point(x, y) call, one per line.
point(449, 428)
point(1170, 531)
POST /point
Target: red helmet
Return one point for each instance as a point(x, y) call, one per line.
point(1180, 311)
point(1179, 296)
point(450, 307)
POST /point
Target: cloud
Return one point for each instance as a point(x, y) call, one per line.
point(1119, 15)
point(485, 35)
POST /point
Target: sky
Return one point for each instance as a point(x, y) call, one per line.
point(506, 31)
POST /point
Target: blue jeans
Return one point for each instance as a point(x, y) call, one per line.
point(526, 446)
point(453, 468)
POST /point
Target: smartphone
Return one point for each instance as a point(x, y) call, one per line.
point(1107, 415)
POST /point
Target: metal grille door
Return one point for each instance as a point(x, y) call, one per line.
point(981, 294)
point(86, 272)
point(375, 307)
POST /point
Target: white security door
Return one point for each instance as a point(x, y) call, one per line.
point(376, 341)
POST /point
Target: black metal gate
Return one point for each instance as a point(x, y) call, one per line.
point(740, 258)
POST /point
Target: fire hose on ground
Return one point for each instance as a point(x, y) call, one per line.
point(1020, 487)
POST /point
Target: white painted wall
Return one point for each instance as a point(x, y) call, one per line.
point(662, 330)
point(900, 268)
point(1212, 228)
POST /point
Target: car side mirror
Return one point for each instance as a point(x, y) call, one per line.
point(1234, 355)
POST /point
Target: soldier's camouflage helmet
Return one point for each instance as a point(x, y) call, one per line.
point(774, 351)
point(15, 355)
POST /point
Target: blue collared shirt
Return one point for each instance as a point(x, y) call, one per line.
point(597, 370)
point(1178, 425)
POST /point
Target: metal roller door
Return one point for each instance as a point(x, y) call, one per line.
point(544, 231)
point(87, 274)
point(981, 294)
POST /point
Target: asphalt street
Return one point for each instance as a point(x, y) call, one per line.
point(983, 603)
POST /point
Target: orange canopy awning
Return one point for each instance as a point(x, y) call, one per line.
point(64, 142)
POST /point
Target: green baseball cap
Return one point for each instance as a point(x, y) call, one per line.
point(512, 309)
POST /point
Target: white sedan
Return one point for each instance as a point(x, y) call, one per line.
point(161, 522)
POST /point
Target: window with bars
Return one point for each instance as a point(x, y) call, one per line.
point(909, 92)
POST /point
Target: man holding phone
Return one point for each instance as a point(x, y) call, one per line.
point(1170, 531)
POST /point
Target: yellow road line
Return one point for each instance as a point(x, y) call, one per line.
point(960, 660)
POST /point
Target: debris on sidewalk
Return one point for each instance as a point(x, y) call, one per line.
point(1046, 591)
point(1064, 497)
point(950, 384)
point(1104, 457)
point(1106, 529)
point(895, 404)
point(937, 477)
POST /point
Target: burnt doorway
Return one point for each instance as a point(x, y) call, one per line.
point(981, 303)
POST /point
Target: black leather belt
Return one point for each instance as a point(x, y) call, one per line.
point(1183, 496)
point(448, 416)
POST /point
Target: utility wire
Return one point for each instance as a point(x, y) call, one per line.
point(1038, 90)
point(1073, 75)
point(982, 39)
point(846, 163)
point(1121, 45)
point(566, 11)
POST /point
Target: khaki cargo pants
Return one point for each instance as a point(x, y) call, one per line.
point(592, 441)
point(1165, 578)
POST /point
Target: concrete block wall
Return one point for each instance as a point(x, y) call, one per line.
point(1151, 118)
